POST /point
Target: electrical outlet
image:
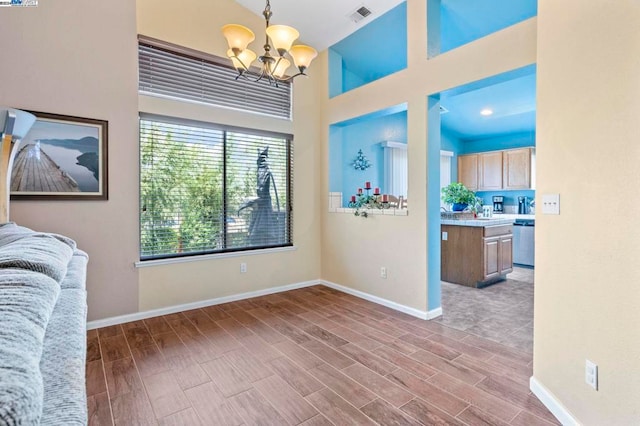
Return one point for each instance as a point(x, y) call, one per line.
point(445, 236)
point(243, 268)
point(383, 272)
point(591, 374)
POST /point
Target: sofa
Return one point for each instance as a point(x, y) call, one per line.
point(43, 315)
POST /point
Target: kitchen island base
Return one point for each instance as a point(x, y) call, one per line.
point(476, 256)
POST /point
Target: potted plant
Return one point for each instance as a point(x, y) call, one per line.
point(458, 196)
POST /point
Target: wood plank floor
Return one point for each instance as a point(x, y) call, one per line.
point(313, 356)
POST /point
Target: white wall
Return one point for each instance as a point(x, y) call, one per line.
point(78, 57)
point(196, 24)
point(587, 270)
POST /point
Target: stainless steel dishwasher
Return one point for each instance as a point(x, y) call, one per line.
point(524, 242)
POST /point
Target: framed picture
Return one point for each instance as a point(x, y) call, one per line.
point(61, 158)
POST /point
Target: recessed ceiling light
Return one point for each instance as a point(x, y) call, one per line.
point(486, 112)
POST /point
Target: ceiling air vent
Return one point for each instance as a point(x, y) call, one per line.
point(360, 13)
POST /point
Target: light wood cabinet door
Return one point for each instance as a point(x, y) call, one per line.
point(517, 168)
point(491, 257)
point(506, 254)
point(468, 171)
point(490, 171)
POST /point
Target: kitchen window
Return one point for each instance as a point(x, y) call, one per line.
point(207, 188)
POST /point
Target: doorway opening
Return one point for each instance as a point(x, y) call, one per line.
point(481, 275)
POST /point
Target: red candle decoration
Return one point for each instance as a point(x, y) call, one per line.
point(359, 190)
point(353, 198)
point(367, 185)
point(385, 198)
point(376, 191)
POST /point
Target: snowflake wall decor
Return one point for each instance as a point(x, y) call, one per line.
point(361, 162)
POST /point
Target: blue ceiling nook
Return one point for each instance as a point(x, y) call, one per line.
point(453, 23)
point(374, 51)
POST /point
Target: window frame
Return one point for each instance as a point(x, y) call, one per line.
point(288, 206)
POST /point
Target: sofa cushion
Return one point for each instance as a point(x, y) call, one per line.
point(47, 254)
point(27, 300)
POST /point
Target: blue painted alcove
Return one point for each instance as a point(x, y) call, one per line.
point(453, 23)
point(376, 50)
point(365, 133)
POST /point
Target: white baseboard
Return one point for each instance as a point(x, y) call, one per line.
point(434, 313)
point(425, 315)
point(195, 305)
point(384, 302)
point(552, 404)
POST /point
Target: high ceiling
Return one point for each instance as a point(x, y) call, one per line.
point(321, 23)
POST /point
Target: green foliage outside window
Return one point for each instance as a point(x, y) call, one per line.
point(182, 188)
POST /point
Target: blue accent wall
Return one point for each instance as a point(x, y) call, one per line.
point(448, 142)
point(509, 141)
point(366, 133)
point(376, 50)
point(463, 21)
point(434, 290)
point(510, 197)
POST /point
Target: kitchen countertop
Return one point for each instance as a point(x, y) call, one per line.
point(514, 216)
point(479, 222)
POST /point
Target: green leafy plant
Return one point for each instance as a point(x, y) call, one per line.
point(457, 193)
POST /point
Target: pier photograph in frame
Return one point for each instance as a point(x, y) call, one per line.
point(62, 158)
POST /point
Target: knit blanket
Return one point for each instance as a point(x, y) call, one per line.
point(27, 300)
point(48, 254)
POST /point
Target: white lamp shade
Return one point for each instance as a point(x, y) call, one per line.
point(282, 37)
point(303, 55)
point(244, 59)
point(281, 67)
point(22, 124)
point(238, 36)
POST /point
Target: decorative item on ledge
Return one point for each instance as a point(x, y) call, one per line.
point(361, 162)
point(362, 202)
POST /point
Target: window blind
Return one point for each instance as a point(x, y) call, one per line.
point(207, 189)
point(163, 72)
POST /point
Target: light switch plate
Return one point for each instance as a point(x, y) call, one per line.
point(591, 374)
point(551, 204)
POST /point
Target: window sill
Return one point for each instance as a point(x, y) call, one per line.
point(213, 256)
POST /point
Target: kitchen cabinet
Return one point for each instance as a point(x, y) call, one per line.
point(505, 254)
point(498, 170)
point(490, 171)
point(517, 168)
point(468, 171)
point(476, 256)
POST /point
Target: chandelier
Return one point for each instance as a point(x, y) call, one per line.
point(278, 45)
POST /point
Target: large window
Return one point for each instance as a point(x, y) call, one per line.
point(207, 189)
